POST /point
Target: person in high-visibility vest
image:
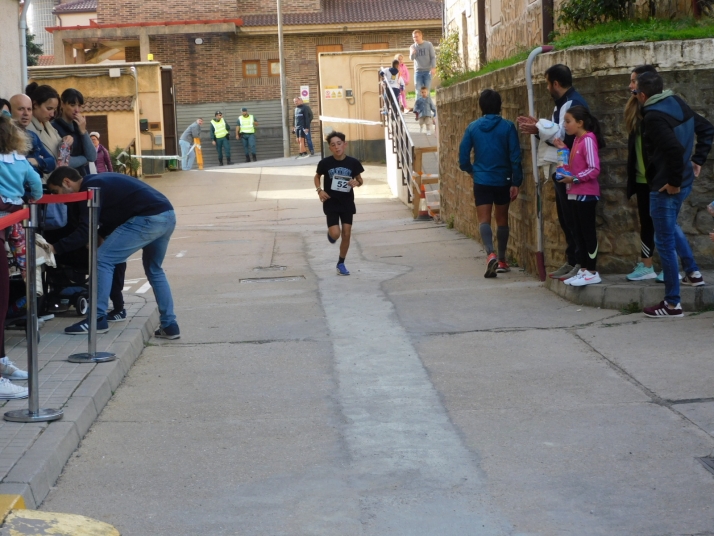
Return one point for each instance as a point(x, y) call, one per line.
point(220, 136)
point(245, 130)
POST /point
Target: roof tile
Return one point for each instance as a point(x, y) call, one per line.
point(76, 6)
point(108, 104)
point(356, 11)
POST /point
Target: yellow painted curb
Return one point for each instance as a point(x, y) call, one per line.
point(36, 523)
point(10, 502)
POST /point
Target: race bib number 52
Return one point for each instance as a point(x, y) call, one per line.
point(340, 183)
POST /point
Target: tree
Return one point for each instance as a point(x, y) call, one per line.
point(34, 51)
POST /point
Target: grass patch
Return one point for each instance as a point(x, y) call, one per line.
point(705, 309)
point(608, 33)
point(412, 94)
point(631, 308)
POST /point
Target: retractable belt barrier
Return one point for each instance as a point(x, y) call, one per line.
point(30, 221)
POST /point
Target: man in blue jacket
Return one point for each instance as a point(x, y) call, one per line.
point(132, 216)
point(497, 174)
point(669, 129)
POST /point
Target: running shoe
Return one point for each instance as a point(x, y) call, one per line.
point(169, 332)
point(565, 269)
point(660, 277)
point(342, 270)
point(82, 327)
point(503, 267)
point(9, 370)
point(642, 272)
point(491, 265)
point(661, 310)
point(116, 316)
point(693, 279)
point(575, 277)
point(575, 270)
point(9, 390)
point(586, 277)
point(332, 240)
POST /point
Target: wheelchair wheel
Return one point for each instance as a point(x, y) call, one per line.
point(82, 306)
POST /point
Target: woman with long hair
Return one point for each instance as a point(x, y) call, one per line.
point(45, 102)
point(71, 122)
point(636, 181)
point(404, 73)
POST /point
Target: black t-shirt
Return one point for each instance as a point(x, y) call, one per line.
point(337, 173)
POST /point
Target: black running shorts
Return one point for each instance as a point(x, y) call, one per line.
point(333, 218)
point(491, 195)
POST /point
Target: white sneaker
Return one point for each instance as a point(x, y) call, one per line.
point(428, 132)
point(577, 276)
point(586, 278)
point(10, 371)
point(9, 391)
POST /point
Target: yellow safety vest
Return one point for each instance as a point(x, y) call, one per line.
point(246, 124)
point(219, 128)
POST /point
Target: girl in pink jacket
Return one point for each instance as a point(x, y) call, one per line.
point(583, 189)
point(404, 73)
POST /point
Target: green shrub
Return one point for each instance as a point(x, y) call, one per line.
point(448, 59)
point(581, 14)
point(123, 163)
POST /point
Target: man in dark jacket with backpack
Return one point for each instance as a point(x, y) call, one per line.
point(669, 129)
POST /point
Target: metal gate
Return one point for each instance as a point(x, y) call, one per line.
point(268, 133)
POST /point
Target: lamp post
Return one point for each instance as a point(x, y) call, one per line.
point(283, 91)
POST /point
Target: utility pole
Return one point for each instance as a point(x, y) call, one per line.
point(283, 90)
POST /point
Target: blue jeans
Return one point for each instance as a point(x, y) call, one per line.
point(187, 159)
point(152, 234)
point(223, 144)
point(248, 143)
point(422, 79)
point(308, 138)
point(670, 240)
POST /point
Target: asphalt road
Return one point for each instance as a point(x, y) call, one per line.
point(414, 397)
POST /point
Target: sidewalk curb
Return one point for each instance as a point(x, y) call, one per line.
point(40, 467)
point(614, 293)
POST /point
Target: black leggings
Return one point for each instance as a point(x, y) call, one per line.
point(585, 232)
point(646, 226)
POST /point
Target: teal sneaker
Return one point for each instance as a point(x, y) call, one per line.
point(641, 272)
point(660, 277)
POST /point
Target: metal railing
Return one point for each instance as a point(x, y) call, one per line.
point(402, 143)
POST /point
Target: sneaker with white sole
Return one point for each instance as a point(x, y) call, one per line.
point(693, 279)
point(642, 273)
point(116, 316)
point(586, 277)
point(662, 310)
point(9, 370)
point(660, 277)
point(342, 269)
point(575, 270)
point(170, 332)
point(82, 327)
point(565, 269)
point(575, 277)
point(10, 391)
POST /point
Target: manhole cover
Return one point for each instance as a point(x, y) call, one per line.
point(708, 463)
point(273, 279)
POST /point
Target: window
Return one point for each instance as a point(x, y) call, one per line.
point(273, 67)
point(375, 46)
point(328, 48)
point(251, 69)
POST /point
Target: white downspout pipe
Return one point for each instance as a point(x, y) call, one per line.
point(23, 43)
point(540, 258)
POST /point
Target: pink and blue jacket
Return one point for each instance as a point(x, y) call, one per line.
point(585, 165)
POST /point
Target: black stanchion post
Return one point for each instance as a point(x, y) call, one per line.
point(33, 413)
point(92, 356)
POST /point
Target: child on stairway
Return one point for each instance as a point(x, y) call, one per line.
point(583, 189)
point(425, 110)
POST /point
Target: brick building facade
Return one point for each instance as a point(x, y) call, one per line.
point(217, 68)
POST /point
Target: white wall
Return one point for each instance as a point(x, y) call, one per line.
point(10, 82)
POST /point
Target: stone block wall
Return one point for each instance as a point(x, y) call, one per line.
point(601, 75)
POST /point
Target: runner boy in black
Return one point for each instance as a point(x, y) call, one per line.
point(342, 173)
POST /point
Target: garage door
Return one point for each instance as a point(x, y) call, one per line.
point(268, 134)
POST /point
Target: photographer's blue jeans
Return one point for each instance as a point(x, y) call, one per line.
point(152, 234)
point(187, 158)
point(670, 240)
point(422, 79)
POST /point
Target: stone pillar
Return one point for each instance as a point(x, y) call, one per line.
point(80, 56)
point(59, 48)
point(144, 47)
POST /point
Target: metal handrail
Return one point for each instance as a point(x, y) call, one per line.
point(402, 143)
